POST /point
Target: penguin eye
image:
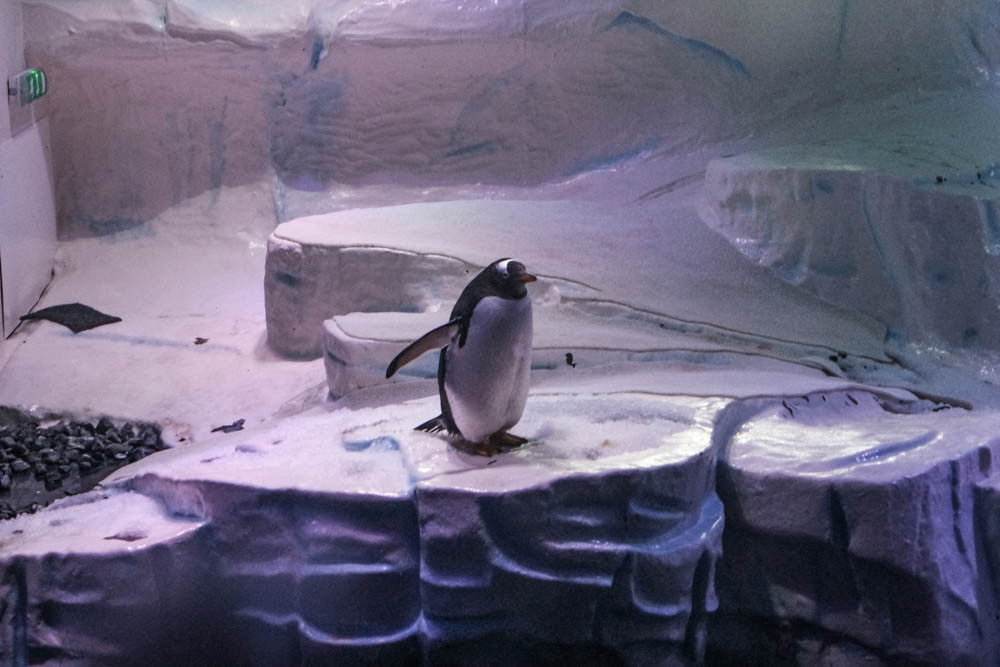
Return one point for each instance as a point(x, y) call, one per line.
point(515, 268)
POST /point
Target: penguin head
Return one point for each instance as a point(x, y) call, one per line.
point(509, 277)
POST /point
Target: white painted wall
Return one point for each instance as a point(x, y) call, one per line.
point(27, 204)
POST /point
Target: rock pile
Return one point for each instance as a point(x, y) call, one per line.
point(39, 464)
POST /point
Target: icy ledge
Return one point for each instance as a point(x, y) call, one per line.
point(860, 528)
point(900, 222)
point(347, 537)
point(857, 533)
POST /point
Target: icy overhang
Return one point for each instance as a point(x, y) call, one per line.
point(898, 220)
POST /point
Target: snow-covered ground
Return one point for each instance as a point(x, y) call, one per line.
point(779, 422)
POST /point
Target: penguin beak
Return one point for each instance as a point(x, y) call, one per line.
point(527, 278)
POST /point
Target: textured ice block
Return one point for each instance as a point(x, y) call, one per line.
point(101, 579)
point(853, 533)
point(603, 536)
point(359, 346)
point(346, 536)
point(418, 257)
point(902, 230)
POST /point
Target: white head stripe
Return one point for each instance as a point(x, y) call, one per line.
point(502, 265)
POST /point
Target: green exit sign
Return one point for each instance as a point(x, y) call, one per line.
point(27, 86)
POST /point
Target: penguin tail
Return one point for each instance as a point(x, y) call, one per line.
point(435, 425)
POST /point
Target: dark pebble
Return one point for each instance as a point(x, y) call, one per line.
point(20, 466)
point(49, 455)
point(103, 425)
point(5, 482)
point(80, 442)
point(150, 438)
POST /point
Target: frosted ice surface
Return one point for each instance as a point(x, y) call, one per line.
point(94, 524)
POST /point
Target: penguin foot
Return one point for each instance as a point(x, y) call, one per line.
point(498, 443)
point(507, 440)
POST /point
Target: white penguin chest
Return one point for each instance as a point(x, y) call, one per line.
point(487, 379)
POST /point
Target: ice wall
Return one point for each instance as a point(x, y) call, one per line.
point(154, 102)
point(897, 219)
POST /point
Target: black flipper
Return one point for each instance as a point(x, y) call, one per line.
point(433, 339)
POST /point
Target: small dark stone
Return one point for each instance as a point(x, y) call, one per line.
point(48, 455)
point(85, 466)
point(19, 466)
point(5, 482)
point(126, 432)
point(150, 438)
point(53, 480)
point(230, 428)
point(18, 449)
point(80, 443)
point(40, 469)
point(41, 442)
point(8, 441)
point(103, 425)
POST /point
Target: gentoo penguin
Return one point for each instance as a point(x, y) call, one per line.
point(485, 361)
